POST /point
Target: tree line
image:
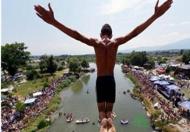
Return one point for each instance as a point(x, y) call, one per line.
point(15, 56)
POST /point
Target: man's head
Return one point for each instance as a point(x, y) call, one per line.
point(106, 31)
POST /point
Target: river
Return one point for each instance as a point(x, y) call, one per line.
point(76, 100)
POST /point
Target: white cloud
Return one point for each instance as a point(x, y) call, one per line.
point(117, 6)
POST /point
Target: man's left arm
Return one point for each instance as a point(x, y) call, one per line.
point(159, 11)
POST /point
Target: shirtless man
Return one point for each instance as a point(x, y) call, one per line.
point(106, 51)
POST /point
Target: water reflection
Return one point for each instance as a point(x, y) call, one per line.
point(85, 78)
point(77, 86)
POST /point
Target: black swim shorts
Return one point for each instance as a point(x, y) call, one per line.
point(105, 89)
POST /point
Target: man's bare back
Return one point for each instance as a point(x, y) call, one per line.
point(105, 58)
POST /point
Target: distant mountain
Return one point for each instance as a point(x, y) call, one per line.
point(182, 44)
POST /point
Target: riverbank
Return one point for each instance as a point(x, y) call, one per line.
point(157, 122)
point(43, 121)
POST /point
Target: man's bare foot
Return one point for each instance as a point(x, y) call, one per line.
point(103, 127)
point(110, 125)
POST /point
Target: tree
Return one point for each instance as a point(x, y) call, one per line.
point(186, 57)
point(43, 63)
point(48, 64)
point(138, 58)
point(51, 65)
point(20, 106)
point(150, 64)
point(13, 57)
point(32, 74)
point(74, 65)
point(161, 60)
point(84, 64)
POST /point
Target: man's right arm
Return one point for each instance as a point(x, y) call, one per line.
point(48, 17)
point(75, 34)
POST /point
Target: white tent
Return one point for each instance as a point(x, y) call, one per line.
point(37, 94)
point(29, 101)
point(5, 90)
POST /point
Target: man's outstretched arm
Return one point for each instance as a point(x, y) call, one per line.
point(48, 16)
point(159, 11)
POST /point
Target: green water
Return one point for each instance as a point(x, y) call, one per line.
point(76, 100)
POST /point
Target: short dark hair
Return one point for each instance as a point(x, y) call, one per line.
point(106, 30)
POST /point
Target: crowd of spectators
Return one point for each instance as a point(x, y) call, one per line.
point(13, 120)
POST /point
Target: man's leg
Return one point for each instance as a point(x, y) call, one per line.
point(109, 109)
point(102, 110)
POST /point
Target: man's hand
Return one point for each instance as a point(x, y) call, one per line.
point(46, 15)
point(160, 10)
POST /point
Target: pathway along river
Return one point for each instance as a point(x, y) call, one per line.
point(76, 100)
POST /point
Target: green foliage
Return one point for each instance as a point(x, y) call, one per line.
point(84, 64)
point(63, 63)
point(161, 60)
point(150, 64)
point(138, 58)
point(20, 106)
point(60, 68)
point(48, 64)
point(32, 74)
point(43, 63)
point(72, 78)
point(45, 84)
point(74, 65)
point(170, 69)
point(43, 123)
point(186, 57)
point(52, 65)
point(155, 114)
point(13, 57)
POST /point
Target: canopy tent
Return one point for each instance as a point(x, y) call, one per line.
point(172, 88)
point(29, 101)
point(37, 94)
point(161, 83)
point(185, 104)
point(5, 90)
point(154, 78)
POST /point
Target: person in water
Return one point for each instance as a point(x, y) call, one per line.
point(105, 50)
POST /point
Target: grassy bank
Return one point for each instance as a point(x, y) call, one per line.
point(154, 113)
point(22, 90)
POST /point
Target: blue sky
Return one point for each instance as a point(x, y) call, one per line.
point(20, 23)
